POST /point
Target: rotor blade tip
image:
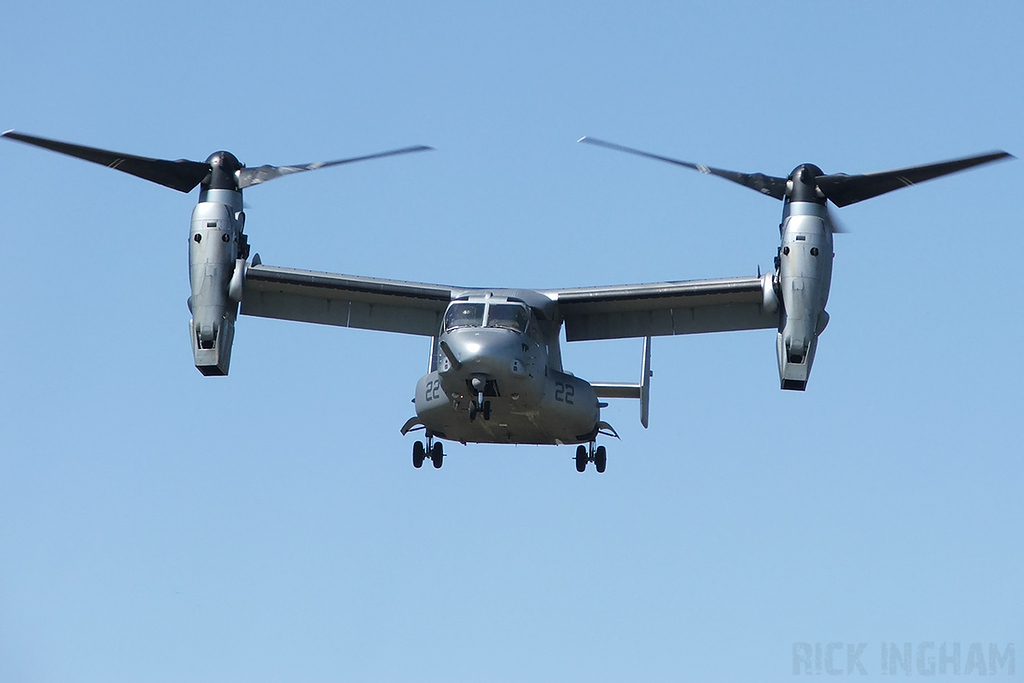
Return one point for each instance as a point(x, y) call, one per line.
point(580, 140)
point(6, 133)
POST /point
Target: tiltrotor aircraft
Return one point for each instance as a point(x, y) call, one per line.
point(495, 368)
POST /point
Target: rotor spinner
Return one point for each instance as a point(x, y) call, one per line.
point(802, 185)
point(224, 168)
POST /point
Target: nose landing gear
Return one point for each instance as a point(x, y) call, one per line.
point(434, 451)
point(598, 456)
point(475, 409)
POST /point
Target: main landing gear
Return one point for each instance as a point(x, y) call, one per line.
point(434, 451)
point(598, 456)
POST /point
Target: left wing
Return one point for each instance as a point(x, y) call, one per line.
point(345, 300)
point(667, 308)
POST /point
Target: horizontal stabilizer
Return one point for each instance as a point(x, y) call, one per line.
point(641, 391)
point(616, 390)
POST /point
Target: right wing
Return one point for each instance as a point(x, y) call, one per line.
point(345, 300)
point(665, 308)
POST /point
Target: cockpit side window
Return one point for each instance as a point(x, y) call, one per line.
point(464, 315)
point(510, 316)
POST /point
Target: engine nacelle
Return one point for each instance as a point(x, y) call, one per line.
point(213, 269)
point(805, 275)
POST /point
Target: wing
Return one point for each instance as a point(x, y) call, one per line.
point(606, 312)
point(344, 300)
point(665, 308)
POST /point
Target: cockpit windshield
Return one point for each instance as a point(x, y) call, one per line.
point(510, 316)
point(464, 315)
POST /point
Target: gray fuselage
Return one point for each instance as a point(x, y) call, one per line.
point(498, 350)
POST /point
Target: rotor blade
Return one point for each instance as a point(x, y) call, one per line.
point(181, 175)
point(769, 185)
point(844, 189)
point(835, 224)
point(261, 174)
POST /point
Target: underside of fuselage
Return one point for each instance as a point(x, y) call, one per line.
point(561, 409)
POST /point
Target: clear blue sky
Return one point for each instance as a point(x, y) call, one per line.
point(157, 525)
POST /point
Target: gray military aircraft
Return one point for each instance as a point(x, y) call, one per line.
point(495, 370)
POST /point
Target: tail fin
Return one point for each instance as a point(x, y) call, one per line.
point(641, 391)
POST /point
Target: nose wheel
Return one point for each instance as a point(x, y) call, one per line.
point(475, 409)
point(433, 451)
point(598, 456)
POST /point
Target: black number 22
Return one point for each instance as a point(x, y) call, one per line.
point(432, 391)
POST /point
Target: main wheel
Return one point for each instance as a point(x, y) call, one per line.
point(437, 455)
point(418, 454)
point(487, 410)
point(581, 458)
point(472, 411)
point(600, 458)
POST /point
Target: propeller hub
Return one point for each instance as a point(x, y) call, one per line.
point(223, 166)
point(803, 184)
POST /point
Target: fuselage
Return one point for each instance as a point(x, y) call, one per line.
point(496, 377)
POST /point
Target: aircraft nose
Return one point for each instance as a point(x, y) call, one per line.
point(483, 350)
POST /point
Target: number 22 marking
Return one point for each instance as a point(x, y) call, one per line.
point(432, 391)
